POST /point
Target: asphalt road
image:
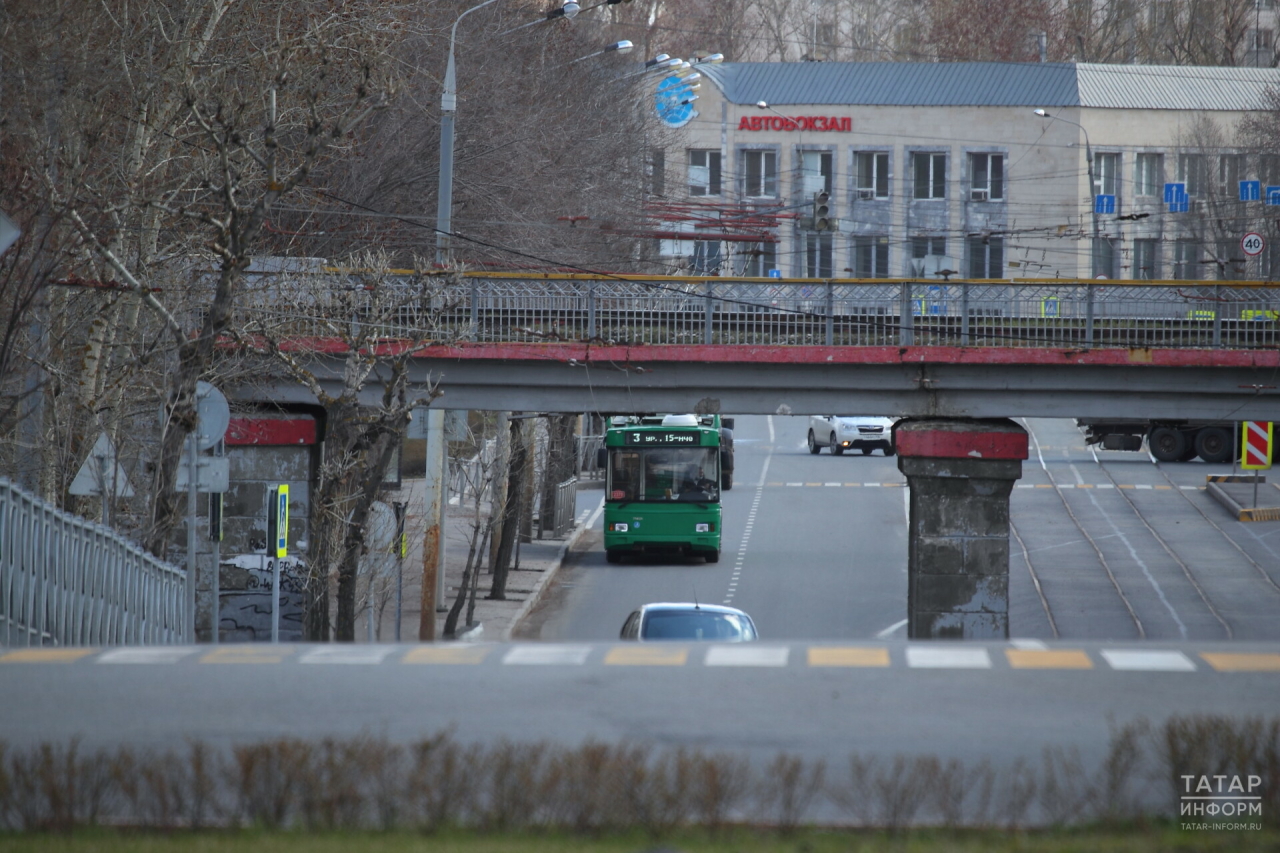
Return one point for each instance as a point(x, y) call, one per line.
point(815, 549)
point(1106, 546)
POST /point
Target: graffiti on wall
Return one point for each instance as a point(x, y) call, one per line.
point(244, 613)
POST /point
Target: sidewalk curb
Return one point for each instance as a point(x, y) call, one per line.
point(543, 582)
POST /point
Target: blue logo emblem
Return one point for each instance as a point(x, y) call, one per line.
point(673, 101)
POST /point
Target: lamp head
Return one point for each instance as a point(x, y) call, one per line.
point(764, 105)
point(1043, 113)
point(657, 60)
point(710, 59)
point(571, 8)
point(623, 46)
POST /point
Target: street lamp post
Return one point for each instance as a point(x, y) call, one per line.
point(1093, 188)
point(448, 106)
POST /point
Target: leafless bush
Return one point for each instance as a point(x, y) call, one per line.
point(1207, 746)
point(721, 783)
point(55, 787)
point(513, 775)
point(441, 784)
point(1066, 789)
point(658, 793)
point(585, 786)
point(788, 789)
point(1016, 792)
point(883, 794)
point(271, 780)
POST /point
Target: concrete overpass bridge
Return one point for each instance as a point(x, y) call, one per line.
point(960, 358)
point(967, 349)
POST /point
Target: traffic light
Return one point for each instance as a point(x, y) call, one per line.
point(822, 211)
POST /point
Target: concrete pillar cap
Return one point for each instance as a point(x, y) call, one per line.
point(956, 438)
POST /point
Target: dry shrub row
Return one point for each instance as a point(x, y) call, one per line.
point(597, 787)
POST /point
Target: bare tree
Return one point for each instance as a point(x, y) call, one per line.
point(365, 415)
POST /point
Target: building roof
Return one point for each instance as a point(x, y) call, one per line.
point(1001, 84)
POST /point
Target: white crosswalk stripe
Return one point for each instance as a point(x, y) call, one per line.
point(747, 655)
point(936, 658)
point(347, 654)
point(548, 654)
point(1150, 661)
point(165, 654)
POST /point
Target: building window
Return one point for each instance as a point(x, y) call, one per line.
point(762, 259)
point(871, 257)
point(930, 174)
point(817, 254)
point(658, 171)
point(986, 257)
point(1191, 173)
point(1269, 169)
point(760, 173)
point(815, 172)
point(1104, 257)
point(1146, 260)
point(1186, 259)
point(924, 246)
point(1105, 169)
point(704, 172)
point(872, 179)
point(1148, 175)
point(706, 257)
point(1230, 167)
point(1265, 4)
point(986, 172)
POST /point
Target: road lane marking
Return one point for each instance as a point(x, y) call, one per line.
point(833, 484)
point(935, 658)
point(656, 654)
point(347, 654)
point(1242, 661)
point(1028, 643)
point(45, 655)
point(1048, 659)
point(848, 656)
point(246, 653)
point(447, 654)
point(163, 654)
point(539, 655)
point(747, 655)
point(880, 635)
point(1148, 661)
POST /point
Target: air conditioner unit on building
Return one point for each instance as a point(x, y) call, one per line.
point(981, 195)
point(866, 194)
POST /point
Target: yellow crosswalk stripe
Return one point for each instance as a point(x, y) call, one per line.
point(1242, 661)
point(647, 655)
point(1048, 659)
point(45, 655)
point(447, 654)
point(248, 653)
point(848, 656)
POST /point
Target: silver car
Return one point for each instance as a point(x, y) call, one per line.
point(688, 621)
point(851, 432)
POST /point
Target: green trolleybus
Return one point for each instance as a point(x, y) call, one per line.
point(665, 474)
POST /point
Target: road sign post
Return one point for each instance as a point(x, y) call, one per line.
point(1256, 456)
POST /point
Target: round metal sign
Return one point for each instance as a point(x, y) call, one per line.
point(1252, 244)
point(213, 415)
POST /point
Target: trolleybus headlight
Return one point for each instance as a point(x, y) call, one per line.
point(618, 527)
point(702, 528)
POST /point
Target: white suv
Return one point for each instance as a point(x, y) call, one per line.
point(841, 432)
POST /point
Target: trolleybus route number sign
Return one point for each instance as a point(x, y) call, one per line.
point(662, 438)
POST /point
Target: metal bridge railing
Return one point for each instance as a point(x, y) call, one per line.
point(68, 581)
point(566, 508)
point(843, 312)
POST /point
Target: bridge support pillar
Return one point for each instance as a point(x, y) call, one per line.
point(961, 473)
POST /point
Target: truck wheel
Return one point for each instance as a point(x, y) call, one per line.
point(836, 449)
point(726, 480)
point(813, 444)
point(712, 556)
point(1213, 444)
point(1167, 444)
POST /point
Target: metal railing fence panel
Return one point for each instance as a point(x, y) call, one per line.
point(69, 581)
point(841, 312)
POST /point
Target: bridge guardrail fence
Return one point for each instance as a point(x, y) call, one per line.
point(1030, 313)
point(65, 580)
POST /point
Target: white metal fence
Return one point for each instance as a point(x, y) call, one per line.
point(68, 581)
point(1033, 313)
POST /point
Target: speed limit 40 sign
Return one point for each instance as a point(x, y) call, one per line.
point(1252, 244)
